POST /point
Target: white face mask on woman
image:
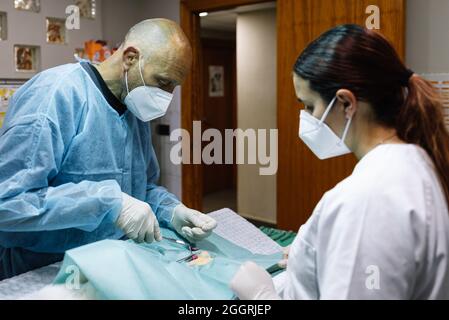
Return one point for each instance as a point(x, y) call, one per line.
point(145, 102)
point(317, 135)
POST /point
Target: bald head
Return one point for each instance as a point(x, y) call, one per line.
point(160, 49)
point(159, 37)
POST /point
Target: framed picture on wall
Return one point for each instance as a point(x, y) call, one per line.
point(216, 81)
point(28, 5)
point(3, 26)
point(7, 90)
point(56, 31)
point(27, 58)
point(88, 8)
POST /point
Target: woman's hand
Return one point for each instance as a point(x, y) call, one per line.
point(252, 282)
point(283, 262)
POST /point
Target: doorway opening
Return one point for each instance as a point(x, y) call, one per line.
point(219, 104)
point(237, 75)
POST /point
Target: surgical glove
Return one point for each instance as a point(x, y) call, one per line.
point(138, 221)
point(252, 282)
point(283, 262)
point(191, 224)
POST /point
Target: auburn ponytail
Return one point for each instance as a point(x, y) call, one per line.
point(365, 62)
point(421, 122)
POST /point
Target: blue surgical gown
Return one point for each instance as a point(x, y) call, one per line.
point(65, 157)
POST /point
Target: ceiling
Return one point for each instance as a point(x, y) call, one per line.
point(226, 20)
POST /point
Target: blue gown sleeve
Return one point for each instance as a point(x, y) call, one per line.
point(32, 145)
point(161, 201)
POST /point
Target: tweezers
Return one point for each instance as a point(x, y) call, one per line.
point(187, 259)
point(185, 244)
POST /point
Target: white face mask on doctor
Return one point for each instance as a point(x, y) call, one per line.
point(323, 142)
point(145, 102)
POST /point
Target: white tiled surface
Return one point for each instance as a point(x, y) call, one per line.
point(170, 173)
point(167, 166)
point(172, 183)
point(28, 283)
point(441, 82)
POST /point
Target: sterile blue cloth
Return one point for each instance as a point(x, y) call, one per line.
point(126, 270)
point(65, 157)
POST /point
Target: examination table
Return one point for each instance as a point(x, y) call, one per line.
point(26, 285)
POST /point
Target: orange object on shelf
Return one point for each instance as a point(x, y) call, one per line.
point(97, 51)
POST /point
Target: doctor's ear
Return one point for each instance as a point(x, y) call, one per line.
point(131, 56)
point(349, 102)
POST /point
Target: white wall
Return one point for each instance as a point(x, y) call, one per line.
point(256, 96)
point(168, 9)
point(118, 17)
point(26, 27)
point(427, 39)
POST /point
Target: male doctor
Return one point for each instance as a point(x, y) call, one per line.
point(77, 163)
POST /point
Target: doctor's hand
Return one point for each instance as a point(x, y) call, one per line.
point(285, 253)
point(138, 221)
point(252, 282)
point(191, 224)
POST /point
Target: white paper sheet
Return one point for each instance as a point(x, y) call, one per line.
point(241, 232)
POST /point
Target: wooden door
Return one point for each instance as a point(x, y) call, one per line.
point(302, 178)
point(218, 107)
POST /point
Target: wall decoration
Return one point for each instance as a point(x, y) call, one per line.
point(97, 51)
point(216, 81)
point(26, 58)
point(7, 89)
point(56, 31)
point(28, 5)
point(88, 8)
point(3, 26)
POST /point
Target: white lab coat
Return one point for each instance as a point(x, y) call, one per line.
point(382, 233)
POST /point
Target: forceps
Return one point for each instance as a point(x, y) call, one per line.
point(191, 256)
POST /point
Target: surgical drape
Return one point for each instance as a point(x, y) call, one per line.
point(126, 270)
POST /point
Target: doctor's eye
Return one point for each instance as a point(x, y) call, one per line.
point(163, 83)
point(309, 108)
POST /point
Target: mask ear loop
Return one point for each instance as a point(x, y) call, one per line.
point(141, 76)
point(140, 71)
point(345, 132)
point(326, 113)
point(348, 123)
point(126, 81)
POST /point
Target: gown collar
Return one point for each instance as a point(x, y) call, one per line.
point(115, 103)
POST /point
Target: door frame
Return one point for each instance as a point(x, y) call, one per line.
point(192, 182)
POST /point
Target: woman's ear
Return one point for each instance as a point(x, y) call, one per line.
point(349, 102)
point(130, 57)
